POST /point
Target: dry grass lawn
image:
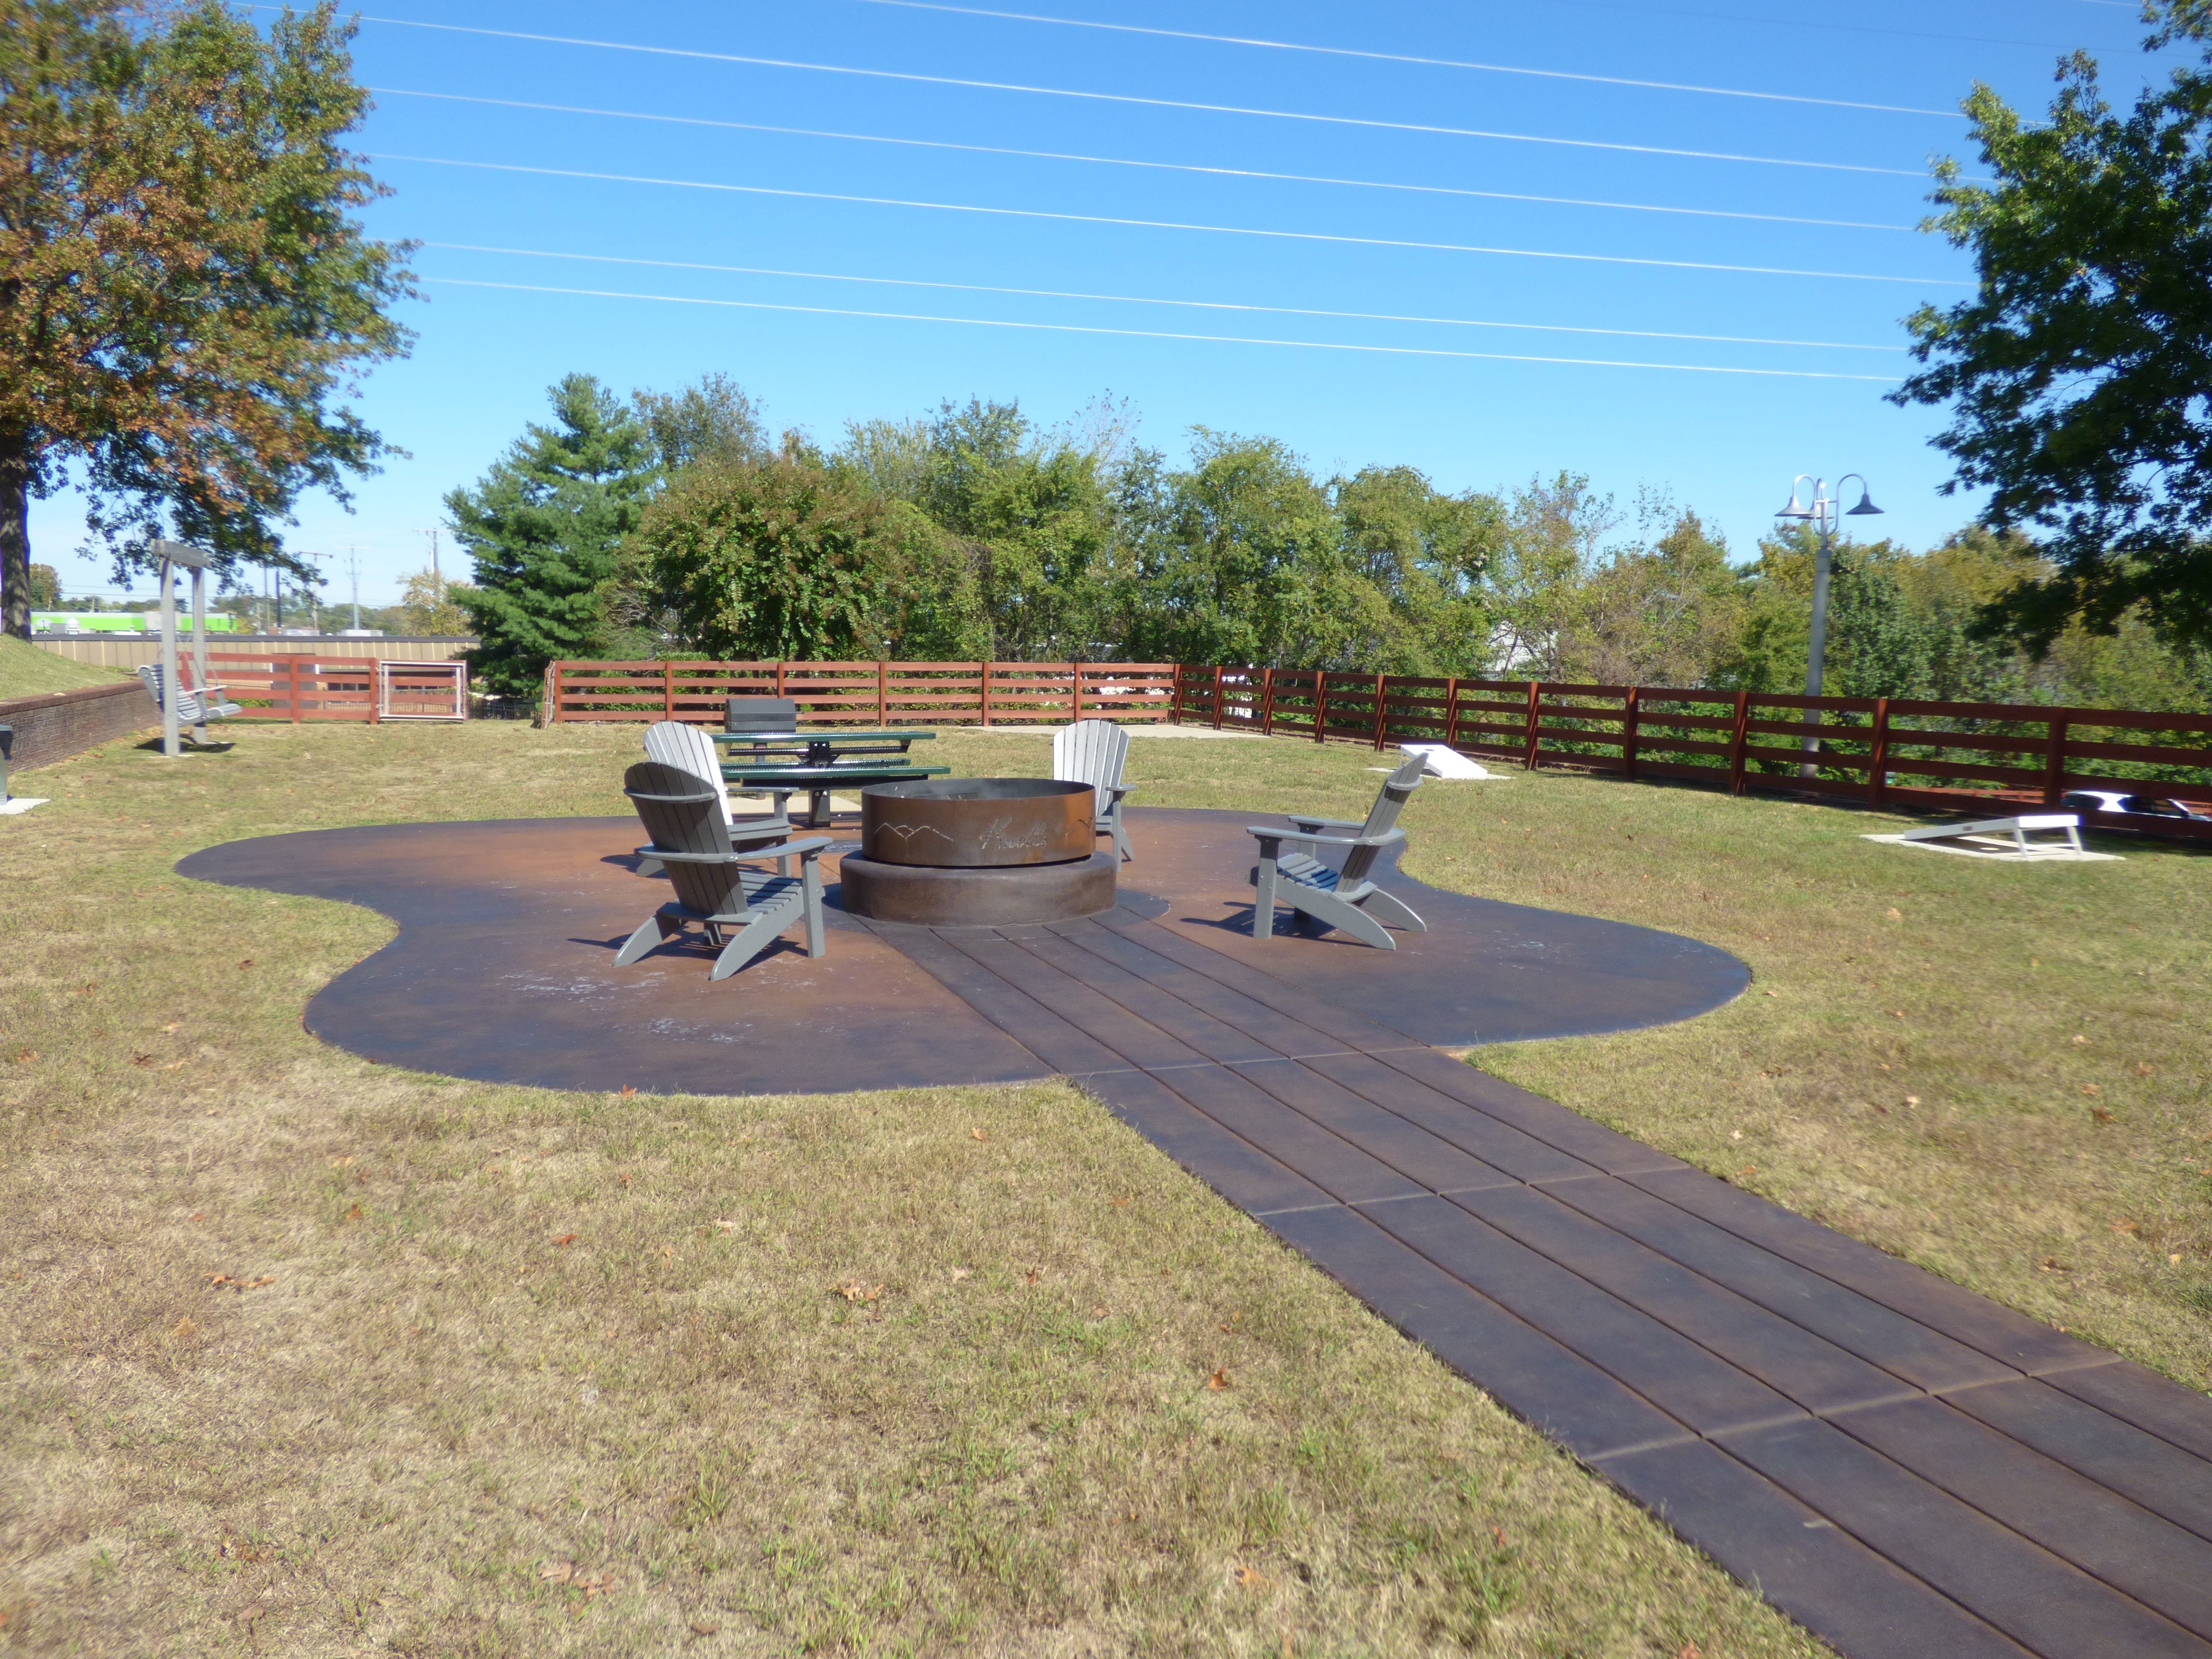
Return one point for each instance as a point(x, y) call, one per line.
point(305, 1355)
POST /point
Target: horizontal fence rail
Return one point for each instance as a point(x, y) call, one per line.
point(1884, 751)
point(866, 693)
point(300, 686)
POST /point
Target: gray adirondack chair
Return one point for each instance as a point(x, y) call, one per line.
point(194, 708)
point(741, 910)
point(1093, 752)
point(688, 749)
point(1342, 899)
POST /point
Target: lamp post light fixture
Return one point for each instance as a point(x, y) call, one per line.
point(1824, 514)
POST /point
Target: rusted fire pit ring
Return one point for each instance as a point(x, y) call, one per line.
point(978, 852)
point(977, 823)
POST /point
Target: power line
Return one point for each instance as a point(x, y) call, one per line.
point(1167, 224)
point(1123, 161)
point(1157, 334)
point(1148, 103)
point(1407, 58)
point(1141, 300)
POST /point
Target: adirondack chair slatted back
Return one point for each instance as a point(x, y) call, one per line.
point(681, 812)
point(1397, 789)
point(688, 749)
point(1089, 751)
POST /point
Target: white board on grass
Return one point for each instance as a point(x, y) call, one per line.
point(1445, 761)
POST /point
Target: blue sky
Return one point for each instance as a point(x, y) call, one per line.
point(537, 214)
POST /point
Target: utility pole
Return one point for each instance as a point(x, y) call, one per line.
point(353, 570)
point(437, 578)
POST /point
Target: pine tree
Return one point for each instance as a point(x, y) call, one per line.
point(545, 527)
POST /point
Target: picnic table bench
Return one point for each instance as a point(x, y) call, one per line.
point(821, 761)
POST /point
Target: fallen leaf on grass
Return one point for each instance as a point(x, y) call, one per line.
point(1218, 1380)
point(170, 1028)
point(243, 961)
point(2142, 1068)
point(2089, 1089)
point(142, 1059)
point(1098, 1313)
point(2100, 1114)
point(854, 1290)
point(354, 1215)
point(1896, 1013)
point(2078, 1037)
point(1912, 1100)
point(979, 1135)
point(2052, 1264)
point(196, 1215)
point(1119, 1203)
point(2124, 1225)
point(1894, 914)
point(24, 1056)
point(564, 1241)
point(2174, 1260)
point(1032, 1276)
point(1252, 1578)
point(256, 1284)
point(704, 1627)
point(626, 1092)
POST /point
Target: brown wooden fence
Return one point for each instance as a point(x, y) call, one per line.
point(1884, 751)
point(868, 693)
point(300, 685)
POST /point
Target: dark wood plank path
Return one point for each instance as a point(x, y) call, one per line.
point(1905, 1467)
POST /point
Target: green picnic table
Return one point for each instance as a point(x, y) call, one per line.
point(820, 761)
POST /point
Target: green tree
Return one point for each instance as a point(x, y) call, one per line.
point(768, 560)
point(2077, 373)
point(1244, 562)
point(1423, 552)
point(1663, 615)
point(184, 292)
point(45, 587)
point(711, 421)
point(546, 528)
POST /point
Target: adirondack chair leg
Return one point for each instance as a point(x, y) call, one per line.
point(653, 931)
point(749, 942)
point(1331, 911)
point(810, 872)
point(1121, 835)
point(650, 867)
point(1263, 900)
point(1392, 912)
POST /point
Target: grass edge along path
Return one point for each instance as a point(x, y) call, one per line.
point(311, 1355)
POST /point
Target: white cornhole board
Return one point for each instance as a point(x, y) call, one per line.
point(21, 803)
point(2003, 838)
point(1445, 762)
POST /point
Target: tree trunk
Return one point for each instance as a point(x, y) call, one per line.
point(15, 534)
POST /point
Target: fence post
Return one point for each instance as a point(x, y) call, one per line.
point(1378, 713)
point(779, 688)
point(1878, 755)
point(1736, 740)
point(1535, 697)
point(668, 690)
point(983, 686)
point(1320, 702)
point(1217, 696)
point(1075, 673)
point(2054, 762)
point(1451, 712)
point(1175, 713)
point(1268, 702)
point(376, 692)
point(1630, 709)
point(551, 694)
point(292, 675)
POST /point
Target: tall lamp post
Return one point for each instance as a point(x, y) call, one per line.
point(1823, 515)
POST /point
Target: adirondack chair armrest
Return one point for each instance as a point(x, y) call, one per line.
point(649, 851)
point(809, 849)
point(1308, 825)
point(1388, 837)
point(1116, 793)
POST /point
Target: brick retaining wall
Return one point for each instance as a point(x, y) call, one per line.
point(56, 724)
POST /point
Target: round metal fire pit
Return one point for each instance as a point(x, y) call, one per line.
point(978, 852)
point(974, 823)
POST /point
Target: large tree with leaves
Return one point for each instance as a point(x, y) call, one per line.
point(183, 291)
point(2080, 375)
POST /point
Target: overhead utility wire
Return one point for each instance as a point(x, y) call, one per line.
point(1143, 300)
point(1155, 334)
point(1162, 224)
point(1408, 58)
point(1123, 161)
point(1148, 103)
